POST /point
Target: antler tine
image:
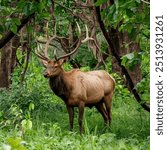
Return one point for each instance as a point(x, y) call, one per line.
point(49, 40)
point(77, 46)
point(72, 52)
point(87, 36)
point(40, 55)
point(79, 29)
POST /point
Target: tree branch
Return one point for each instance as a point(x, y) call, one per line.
point(10, 34)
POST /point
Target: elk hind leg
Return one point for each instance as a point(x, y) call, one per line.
point(108, 104)
point(100, 107)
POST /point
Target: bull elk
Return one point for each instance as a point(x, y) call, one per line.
point(77, 88)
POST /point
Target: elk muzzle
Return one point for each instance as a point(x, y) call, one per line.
point(46, 74)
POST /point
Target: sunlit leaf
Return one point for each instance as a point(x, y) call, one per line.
point(130, 56)
point(13, 28)
point(99, 2)
point(16, 21)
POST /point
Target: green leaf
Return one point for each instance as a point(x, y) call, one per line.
point(29, 124)
point(130, 56)
point(132, 34)
point(41, 6)
point(131, 65)
point(25, 9)
point(1, 28)
point(129, 13)
point(13, 28)
point(124, 61)
point(15, 143)
point(44, 15)
point(30, 29)
point(26, 124)
point(138, 1)
point(31, 106)
point(21, 4)
point(99, 2)
point(16, 21)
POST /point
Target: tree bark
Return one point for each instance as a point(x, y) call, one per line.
point(8, 61)
point(5, 70)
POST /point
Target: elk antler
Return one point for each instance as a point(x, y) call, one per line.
point(41, 55)
point(78, 42)
point(77, 46)
point(44, 54)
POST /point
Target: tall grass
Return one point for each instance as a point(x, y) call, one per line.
point(130, 129)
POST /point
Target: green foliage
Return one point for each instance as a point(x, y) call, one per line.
point(10, 11)
point(143, 89)
point(67, 66)
point(18, 103)
point(14, 143)
point(131, 17)
point(130, 13)
point(131, 59)
point(85, 57)
point(108, 65)
point(87, 68)
point(99, 2)
point(32, 117)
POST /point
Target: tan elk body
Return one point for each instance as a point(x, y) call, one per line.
point(80, 89)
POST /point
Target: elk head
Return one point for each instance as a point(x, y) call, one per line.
point(53, 68)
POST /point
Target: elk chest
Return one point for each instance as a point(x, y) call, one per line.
point(59, 87)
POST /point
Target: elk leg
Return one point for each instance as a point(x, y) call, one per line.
point(101, 109)
point(80, 117)
point(71, 116)
point(108, 104)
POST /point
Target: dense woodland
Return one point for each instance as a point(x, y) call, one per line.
point(31, 115)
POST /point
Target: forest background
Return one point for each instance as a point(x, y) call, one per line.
point(31, 116)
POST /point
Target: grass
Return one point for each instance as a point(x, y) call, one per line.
point(129, 131)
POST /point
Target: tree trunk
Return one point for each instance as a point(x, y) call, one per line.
point(119, 40)
point(8, 62)
point(5, 65)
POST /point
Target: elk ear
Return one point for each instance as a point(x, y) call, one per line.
point(44, 63)
point(61, 61)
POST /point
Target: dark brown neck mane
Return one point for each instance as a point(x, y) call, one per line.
point(59, 87)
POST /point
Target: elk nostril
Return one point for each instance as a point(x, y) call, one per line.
point(45, 74)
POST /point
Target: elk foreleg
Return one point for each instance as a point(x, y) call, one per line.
point(80, 117)
point(71, 116)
